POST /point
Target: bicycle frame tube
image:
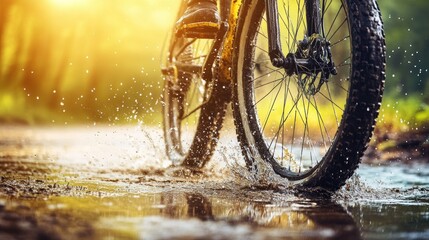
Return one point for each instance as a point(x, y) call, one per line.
point(274, 44)
point(217, 44)
point(229, 14)
point(313, 19)
point(225, 6)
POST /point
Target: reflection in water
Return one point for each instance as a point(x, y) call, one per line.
point(393, 219)
point(300, 219)
point(199, 206)
point(97, 209)
point(52, 186)
point(189, 205)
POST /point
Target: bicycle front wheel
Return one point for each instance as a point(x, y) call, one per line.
point(311, 122)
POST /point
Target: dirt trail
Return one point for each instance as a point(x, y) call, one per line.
point(113, 183)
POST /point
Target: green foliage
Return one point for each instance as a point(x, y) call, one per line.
point(407, 40)
point(403, 114)
point(422, 116)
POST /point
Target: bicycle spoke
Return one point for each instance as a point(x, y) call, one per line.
point(265, 51)
point(289, 26)
point(184, 47)
point(344, 63)
point(285, 93)
point(342, 23)
point(268, 83)
point(292, 117)
point(330, 100)
point(335, 18)
point(267, 94)
point(304, 134)
point(264, 75)
point(340, 41)
point(287, 116)
point(333, 108)
point(192, 111)
point(263, 36)
point(321, 124)
point(327, 7)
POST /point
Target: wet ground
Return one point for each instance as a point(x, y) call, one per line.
point(105, 182)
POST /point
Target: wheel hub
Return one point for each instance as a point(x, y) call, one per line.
point(312, 63)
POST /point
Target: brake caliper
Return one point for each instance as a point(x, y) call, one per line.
point(315, 52)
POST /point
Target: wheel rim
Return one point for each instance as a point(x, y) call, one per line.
point(292, 126)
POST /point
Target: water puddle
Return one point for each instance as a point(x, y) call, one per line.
point(115, 183)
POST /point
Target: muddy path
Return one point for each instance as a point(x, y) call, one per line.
point(115, 183)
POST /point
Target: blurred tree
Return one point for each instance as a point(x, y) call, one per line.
point(102, 57)
point(407, 39)
point(4, 14)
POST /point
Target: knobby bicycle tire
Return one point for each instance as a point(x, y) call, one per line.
point(335, 157)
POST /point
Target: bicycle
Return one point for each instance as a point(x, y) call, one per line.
point(305, 79)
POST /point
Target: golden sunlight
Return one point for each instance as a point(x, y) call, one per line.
point(67, 3)
point(85, 52)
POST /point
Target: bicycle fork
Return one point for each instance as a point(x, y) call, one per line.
point(293, 62)
point(314, 41)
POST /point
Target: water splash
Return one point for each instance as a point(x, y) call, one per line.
point(136, 154)
point(260, 176)
point(362, 187)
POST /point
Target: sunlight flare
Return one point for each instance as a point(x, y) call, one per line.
point(67, 3)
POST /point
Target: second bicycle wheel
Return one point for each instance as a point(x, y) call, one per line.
point(311, 119)
point(193, 107)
